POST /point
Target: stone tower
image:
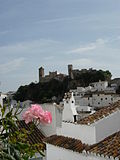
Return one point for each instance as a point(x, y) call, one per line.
point(70, 69)
point(41, 73)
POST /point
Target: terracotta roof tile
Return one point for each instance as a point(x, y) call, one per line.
point(110, 146)
point(65, 142)
point(36, 137)
point(104, 112)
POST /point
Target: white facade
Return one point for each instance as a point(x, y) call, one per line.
point(93, 133)
point(83, 108)
point(85, 101)
point(2, 96)
point(84, 133)
point(91, 100)
point(100, 86)
point(57, 153)
point(50, 129)
point(99, 100)
point(69, 110)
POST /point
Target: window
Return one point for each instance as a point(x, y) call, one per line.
point(111, 99)
point(75, 118)
point(101, 99)
point(106, 98)
point(72, 101)
point(66, 101)
point(98, 102)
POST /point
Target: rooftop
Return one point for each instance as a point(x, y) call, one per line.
point(104, 112)
point(36, 137)
point(110, 146)
point(65, 142)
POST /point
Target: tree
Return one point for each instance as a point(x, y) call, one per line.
point(13, 143)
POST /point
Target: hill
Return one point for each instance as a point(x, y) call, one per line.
point(54, 89)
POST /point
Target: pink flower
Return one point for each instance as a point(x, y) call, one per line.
point(35, 112)
point(27, 116)
point(47, 117)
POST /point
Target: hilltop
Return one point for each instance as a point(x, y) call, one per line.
point(54, 88)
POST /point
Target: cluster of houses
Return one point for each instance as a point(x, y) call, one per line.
point(96, 95)
point(78, 130)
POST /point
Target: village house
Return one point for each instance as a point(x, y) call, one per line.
point(2, 96)
point(96, 137)
point(97, 95)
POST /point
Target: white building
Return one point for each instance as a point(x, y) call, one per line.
point(88, 137)
point(98, 94)
point(56, 111)
point(2, 96)
point(73, 112)
point(100, 86)
point(99, 99)
point(69, 111)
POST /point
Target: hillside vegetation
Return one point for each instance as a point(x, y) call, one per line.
point(54, 89)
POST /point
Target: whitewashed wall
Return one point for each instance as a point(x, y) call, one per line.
point(107, 126)
point(94, 133)
point(67, 111)
point(85, 101)
point(49, 129)
point(84, 133)
point(101, 85)
point(57, 153)
point(83, 108)
point(98, 100)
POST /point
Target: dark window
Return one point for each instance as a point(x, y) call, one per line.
point(72, 101)
point(66, 101)
point(106, 98)
point(101, 99)
point(75, 118)
point(98, 102)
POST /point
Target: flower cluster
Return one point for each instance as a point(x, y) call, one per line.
point(35, 112)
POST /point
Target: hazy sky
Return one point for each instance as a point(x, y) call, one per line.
point(55, 33)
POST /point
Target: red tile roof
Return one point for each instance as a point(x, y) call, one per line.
point(65, 142)
point(34, 136)
point(110, 146)
point(104, 112)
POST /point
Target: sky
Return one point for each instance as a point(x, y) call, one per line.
point(55, 33)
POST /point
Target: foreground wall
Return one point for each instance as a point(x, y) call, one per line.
point(83, 132)
point(57, 153)
point(107, 126)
